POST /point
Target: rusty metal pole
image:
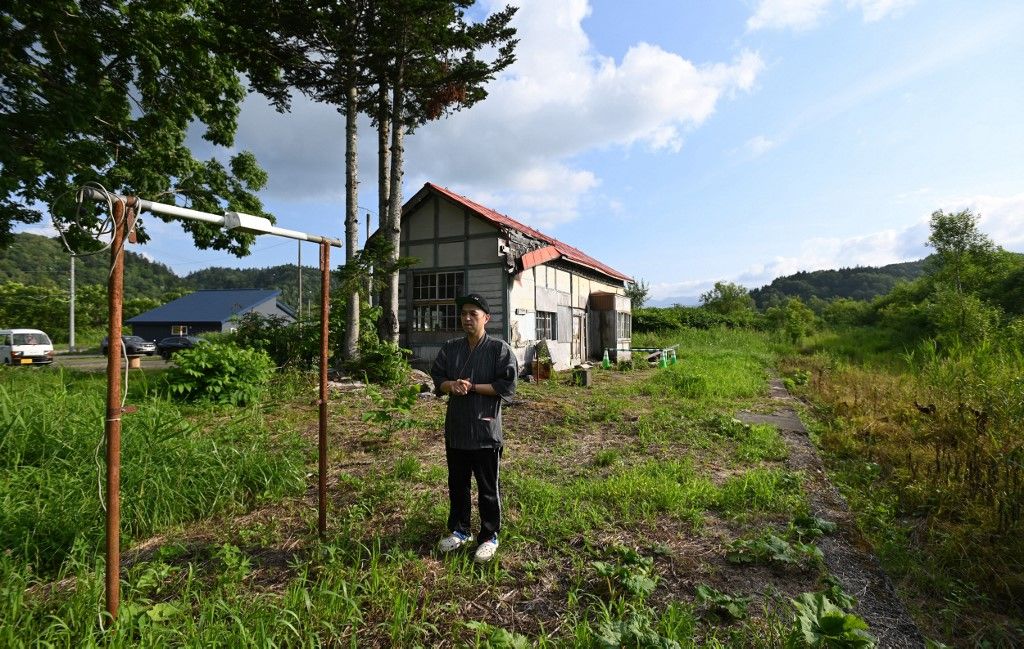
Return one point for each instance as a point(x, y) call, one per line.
point(115, 295)
point(325, 307)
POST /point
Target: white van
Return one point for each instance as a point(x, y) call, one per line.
point(25, 347)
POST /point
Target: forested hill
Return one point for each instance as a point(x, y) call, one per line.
point(284, 278)
point(862, 283)
point(36, 260)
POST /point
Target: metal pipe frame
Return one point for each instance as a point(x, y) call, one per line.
point(124, 208)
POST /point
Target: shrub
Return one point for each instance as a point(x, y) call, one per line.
point(288, 344)
point(381, 362)
point(221, 373)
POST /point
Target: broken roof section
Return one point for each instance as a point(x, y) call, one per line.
point(547, 248)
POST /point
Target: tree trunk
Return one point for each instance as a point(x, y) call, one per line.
point(350, 348)
point(389, 319)
point(383, 173)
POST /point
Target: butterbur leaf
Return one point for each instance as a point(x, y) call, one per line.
point(639, 585)
point(162, 611)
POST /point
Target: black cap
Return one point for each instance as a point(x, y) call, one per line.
point(473, 298)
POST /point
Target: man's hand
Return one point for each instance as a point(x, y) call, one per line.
point(460, 387)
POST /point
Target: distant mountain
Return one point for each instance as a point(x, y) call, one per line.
point(861, 283)
point(36, 260)
point(682, 300)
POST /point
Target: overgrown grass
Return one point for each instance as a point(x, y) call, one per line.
point(631, 457)
point(714, 365)
point(52, 468)
point(929, 452)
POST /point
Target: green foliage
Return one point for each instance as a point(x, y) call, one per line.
point(727, 299)
point(379, 361)
point(39, 261)
point(219, 372)
point(820, 623)
point(960, 319)
point(392, 414)
point(637, 293)
point(87, 101)
point(174, 468)
point(286, 343)
point(859, 284)
point(629, 575)
point(493, 637)
point(792, 318)
point(844, 312)
point(963, 253)
point(636, 628)
point(770, 548)
point(730, 607)
point(654, 319)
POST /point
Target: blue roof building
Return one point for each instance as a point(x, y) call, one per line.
point(208, 310)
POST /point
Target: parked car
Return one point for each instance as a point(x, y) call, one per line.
point(172, 344)
point(25, 347)
point(133, 346)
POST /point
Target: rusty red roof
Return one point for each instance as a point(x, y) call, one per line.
point(535, 257)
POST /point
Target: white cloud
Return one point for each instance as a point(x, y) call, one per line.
point(759, 145)
point(875, 10)
point(801, 15)
point(1001, 217)
point(788, 14)
point(560, 99)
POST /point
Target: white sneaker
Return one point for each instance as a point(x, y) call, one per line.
point(485, 551)
point(453, 541)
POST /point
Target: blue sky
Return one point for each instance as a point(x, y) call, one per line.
point(686, 141)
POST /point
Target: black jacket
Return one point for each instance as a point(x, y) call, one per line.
point(473, 421)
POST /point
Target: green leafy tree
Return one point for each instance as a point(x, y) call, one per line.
point(958, 319)
point(426, 61)
point(963, 252)
point(728, 298)
point(106, 92)
point(793, 319)
point(637, 293)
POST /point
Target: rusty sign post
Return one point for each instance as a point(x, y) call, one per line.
point(124, 208)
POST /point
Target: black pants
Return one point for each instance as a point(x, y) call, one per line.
point(462, 465)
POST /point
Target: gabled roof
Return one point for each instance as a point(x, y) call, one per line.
point(208, 305)
point(555, 249)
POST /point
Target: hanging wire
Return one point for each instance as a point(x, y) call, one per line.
point(106, 226)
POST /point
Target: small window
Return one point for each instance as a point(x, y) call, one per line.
point(546, 325)
point(433, 296)
point(179, 330)
point(625, 324)
point(435, 317)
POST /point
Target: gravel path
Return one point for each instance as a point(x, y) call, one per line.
point(857, 569)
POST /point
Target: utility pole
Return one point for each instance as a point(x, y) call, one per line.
point(299, 305)
point(71, 315)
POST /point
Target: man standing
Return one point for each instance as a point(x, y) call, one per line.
point(478, 372)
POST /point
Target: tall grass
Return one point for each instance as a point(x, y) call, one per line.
point(173, 468)
point(643, 460)
point(714, 365)
point(931, 452)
